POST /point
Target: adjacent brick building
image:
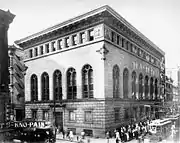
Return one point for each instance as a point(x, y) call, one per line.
point(101, 71)
point(17, 71)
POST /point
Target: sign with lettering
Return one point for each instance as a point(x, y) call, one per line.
point(30, 124)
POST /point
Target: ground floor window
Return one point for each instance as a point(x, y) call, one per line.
point(72, 115)
point(45, 115)
point(88, 132)
point(88, 116)
point(116, 114)
point(34, 113)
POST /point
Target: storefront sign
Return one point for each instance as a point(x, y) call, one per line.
point(34, 124)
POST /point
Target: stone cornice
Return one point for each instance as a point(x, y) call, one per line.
point(100, 14)
point(6, 17)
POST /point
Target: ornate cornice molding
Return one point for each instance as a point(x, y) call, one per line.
point(103, 14)
point(6, 17)
point(72, 28)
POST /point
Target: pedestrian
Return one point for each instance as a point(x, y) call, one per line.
point(107, 136)
point(63, 133)
point(82, 134)
point(71, 135)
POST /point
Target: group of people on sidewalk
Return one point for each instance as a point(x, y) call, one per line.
point(129, 132)
point(70, 135)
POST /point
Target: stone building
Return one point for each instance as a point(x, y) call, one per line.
point(5, 19)
point(17, 70)
point(97, 69)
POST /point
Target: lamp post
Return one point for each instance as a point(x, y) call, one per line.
point(54, 111)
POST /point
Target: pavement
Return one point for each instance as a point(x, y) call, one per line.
point(59, 139)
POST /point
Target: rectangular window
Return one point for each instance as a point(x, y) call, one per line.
point(60, 44)
point(116, 114)
point(88, 116)
point(132, 48)
point(122, 42)
point(53, 46)
point(72, 115)
point(35, 52)
point(41, 50)
point(126, 113)
point(118, 39)
point(30, 53)
point(74, 40)
point(127, 45)
point(112, 36)
point(82, 37)
point(47, 48)
point(67, 42)
point(88, 132)
point(91, 35)
point(45, 115)
point(34, 114)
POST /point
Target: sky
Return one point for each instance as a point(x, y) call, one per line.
point(158, 20)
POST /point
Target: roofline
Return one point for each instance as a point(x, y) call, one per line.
point(62, 24)
point(86, 15)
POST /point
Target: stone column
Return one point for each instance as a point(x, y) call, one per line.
point(143, 89)
point(63, 43)
point(64, 86)
point(70, 41)
point(78, 38)
point(154, 90)
point(39, 89)
point(137, 88)
point(50, 87)
point(79, 84)
point(149, 87)
point(87, 36)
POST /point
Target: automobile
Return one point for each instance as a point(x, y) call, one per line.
point(32, 135)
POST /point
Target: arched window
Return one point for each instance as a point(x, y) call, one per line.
point(57, 85)
point(151, 88)
point(125, 82)
point(156, 88)
point(34, 88)
point(87, 81)
point(115, 81)
point(133, 84)
point(146, 86)
point(45, 86)
point(71, 84)
point(140, 85)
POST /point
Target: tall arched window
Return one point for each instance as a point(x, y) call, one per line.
point(115, 81)
point(87, 81)
point(140, 85)
point(156, 88)
point(151, 88)
point(146, 86)
point(34, 88)
point(125, 82)
point(45, 86)
point(71, 84)
point(57, 85)
point(133, 84)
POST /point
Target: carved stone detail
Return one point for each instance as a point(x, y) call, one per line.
point(103, 51)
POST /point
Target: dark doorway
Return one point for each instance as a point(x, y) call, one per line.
point(59, 119)
point(19, 114)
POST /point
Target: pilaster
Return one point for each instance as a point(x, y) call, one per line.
point(51, 87)
point(39, 89)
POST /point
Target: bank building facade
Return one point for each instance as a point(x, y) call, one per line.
point(95, 71)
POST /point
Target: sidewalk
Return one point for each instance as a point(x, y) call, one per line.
point(92, 140)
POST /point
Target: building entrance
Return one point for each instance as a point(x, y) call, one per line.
point(59, 119)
